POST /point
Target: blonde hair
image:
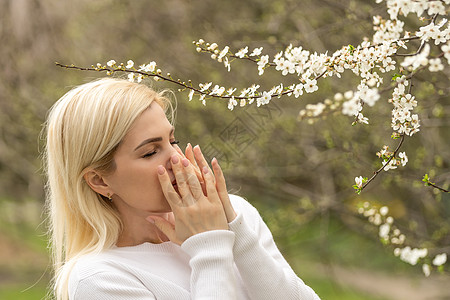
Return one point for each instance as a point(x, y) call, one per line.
point(84, 129)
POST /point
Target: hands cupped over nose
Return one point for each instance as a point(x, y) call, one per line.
point(196, 207)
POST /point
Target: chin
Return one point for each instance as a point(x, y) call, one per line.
point(165, 207)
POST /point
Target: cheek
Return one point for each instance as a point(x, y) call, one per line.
point(136, 179)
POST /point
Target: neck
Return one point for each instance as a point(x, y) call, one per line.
point(137, 230)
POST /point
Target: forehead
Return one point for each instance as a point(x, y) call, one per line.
point(151, 123)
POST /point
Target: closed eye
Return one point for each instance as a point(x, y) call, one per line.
point(154, 152)
point(149, 154)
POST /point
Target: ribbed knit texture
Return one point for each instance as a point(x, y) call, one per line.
point(212, 263)
point(256, 255)
point(242, 263)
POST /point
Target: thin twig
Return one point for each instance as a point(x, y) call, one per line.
point(412, 54)
point(402, 138)
point(438, 187)
point(178, 82)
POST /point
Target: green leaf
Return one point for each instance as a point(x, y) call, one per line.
point(426, 180)
point(394, 78)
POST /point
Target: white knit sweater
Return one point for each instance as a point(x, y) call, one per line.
point(240, 263)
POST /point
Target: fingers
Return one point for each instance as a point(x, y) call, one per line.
point(211, 190)
point(182, 180)
point(169, 192)
point(165, 226)
point(200, 159)
point(218, 175)
point(188, 184)
point(198, 172)
point(190, 155)
point(222, 190)
point(192, 180)
point(178, 149)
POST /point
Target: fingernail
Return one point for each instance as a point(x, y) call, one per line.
point(185, 162)
point(189, 145)
point(205, 170)
point(214, 160)
point(161, 170)
point(175, 159)
point(150, 220)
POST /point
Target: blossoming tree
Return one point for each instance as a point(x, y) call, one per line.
point(389, 61)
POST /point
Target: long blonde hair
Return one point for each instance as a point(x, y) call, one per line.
point(83, 130)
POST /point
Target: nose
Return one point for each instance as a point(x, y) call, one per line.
point(170, 154)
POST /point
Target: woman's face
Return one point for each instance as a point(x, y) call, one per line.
point(134, 183)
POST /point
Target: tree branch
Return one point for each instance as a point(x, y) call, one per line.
point(402, 138)
point(177, 82)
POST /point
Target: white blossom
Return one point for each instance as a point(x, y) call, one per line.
point(384, 231)
point(191, 94)
point(151, 67)
point(111, 63)
point(130, 64)
point(440, 259)
point(310, 86)
point(264, 99)
point(264, 60)
point(204, 86)
point(232, 103)
point(348, 95)
point(351, 107)
point(361, 119)
point(370, 96)
point(359, 181)
point(436, 7)
point(223, 53)
point(418, 60)
point(426, 270)
point(412, 256)
point(227, 64)
point(213, 47)
point(403, 158)
point(298, 90)
point(241, 53)
point(435, 65)
point(256, 51)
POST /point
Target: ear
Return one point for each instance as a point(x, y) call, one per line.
point(97, 183)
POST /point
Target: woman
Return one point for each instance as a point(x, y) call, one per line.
point(132, 217)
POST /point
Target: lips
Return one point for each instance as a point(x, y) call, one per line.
point(174, 184)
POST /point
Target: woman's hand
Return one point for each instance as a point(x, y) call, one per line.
point(190, 156)
point(198, 161)
point(220, 183)
point(194, 211)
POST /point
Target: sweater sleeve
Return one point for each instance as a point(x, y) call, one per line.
point(264, 271)
point(212, 275)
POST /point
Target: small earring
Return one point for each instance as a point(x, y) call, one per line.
point(109, 197)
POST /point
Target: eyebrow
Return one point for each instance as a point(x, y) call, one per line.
point(152, 140)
